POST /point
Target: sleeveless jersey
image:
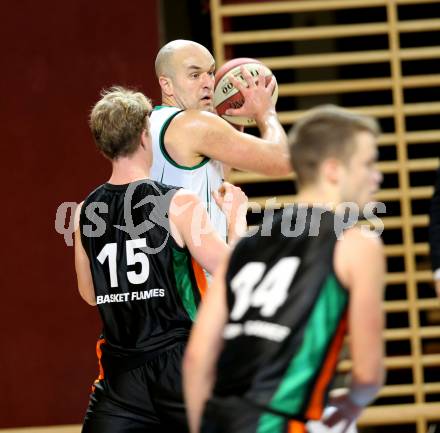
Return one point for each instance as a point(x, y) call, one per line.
point(202, 179)
point(287, 317)
point(145, 284)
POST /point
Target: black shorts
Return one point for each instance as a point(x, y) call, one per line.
point(146, 399)
point(235, 415)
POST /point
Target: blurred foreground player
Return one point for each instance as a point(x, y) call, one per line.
point(266, 342)
point(133, 258)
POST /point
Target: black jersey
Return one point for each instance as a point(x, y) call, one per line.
point(287, 317)
point(145, 284)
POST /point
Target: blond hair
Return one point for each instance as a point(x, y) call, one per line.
point(118, 119)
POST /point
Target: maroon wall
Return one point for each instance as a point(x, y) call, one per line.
point(56, 56)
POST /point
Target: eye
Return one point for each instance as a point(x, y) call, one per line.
point(211, 73)
point(195, 75)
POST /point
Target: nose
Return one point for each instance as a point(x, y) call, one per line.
point(208, 80)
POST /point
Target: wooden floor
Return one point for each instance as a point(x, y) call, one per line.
point(47, 429)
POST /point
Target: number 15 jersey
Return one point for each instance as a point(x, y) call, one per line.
point(147, 287)
point(287, 316)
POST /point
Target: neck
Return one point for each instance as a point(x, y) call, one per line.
point(129, 169)
point(169, 100)
point(318, 194)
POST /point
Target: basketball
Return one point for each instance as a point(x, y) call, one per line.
point(226, 96)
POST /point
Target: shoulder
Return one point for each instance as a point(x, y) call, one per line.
point(95, 193)
point(182, 200)
point(163, 112)
point(357, 248)
point(358, 253)
point(361, 241)
point(197, 120)
point(95, 196)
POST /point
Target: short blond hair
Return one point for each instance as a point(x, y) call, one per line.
point(324, 132)
point(118, 119)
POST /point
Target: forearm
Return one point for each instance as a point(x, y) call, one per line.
point(272, 131)
point(197, 388)
point(237, 226)
point(204, 346)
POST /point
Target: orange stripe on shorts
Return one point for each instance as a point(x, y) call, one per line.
point(99, 355)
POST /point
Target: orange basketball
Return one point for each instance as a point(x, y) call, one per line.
point(226, 96)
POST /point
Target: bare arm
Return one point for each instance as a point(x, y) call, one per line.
point(203, 349)
point(82, 267)
point(234, 203)
point(360, 264)
point(208, 134)
point(195, 133)
point(190, 225)
point(366, 319)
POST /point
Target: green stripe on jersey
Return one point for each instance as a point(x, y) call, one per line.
point(164, 152)
point(182, 271)
point(293, 391)
point(270, 423)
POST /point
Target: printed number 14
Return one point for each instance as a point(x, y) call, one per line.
point(272, 291)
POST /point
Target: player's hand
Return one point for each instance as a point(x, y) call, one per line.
point(239, 128)
point(345, 411)
point(231, 200)
point(257, 96)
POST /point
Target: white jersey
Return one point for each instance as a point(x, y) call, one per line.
point(202, 179)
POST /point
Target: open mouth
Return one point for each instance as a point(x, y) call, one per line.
point(207, 99)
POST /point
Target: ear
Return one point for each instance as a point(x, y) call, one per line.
point(332, 170)
point(145, 139)
point(166, 85)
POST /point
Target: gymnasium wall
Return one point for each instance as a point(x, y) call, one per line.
point(379, 58)
point(56, 56)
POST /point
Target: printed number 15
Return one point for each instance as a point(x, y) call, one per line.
point(110, 251)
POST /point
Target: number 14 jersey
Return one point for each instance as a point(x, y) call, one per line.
point(287, 316)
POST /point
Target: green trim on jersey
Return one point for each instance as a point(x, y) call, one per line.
point(182, 266)
point(208, 195)
point(158, 107)
point(166, 155)
point(293, 392)
point(270, 423)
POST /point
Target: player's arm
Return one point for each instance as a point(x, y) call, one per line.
point(360, 265)
point(210, 135)
point(82, 266)
point(234, 204)
point(203, 349)
point(191, 226)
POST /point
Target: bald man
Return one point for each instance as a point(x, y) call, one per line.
point(192, 146)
